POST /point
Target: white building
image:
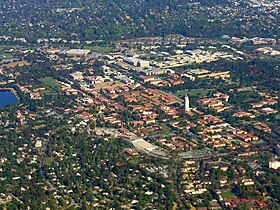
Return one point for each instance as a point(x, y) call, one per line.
point(274, 164)
point(247, 182)
point(77, 52)
point(143, 64)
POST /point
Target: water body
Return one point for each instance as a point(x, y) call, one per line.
point(7, 98)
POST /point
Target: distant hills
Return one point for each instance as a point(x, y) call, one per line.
point(117, 19)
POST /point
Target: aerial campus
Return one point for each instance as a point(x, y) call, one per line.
point(159, 122)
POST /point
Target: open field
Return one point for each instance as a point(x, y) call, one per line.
point(228, 195)
point(16, 63)
point(107, 85)
point(51, 82)
point(5, 56)
point(192, 92)
point(49, 161)
point(100, 49)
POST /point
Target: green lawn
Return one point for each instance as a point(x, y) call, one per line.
point(228, 195)
point(5, 56)
point(192, 92)
point(101, 49)
point(49, 161)
point(51, 82)
point(258, 142)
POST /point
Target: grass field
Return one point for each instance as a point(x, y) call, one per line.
point(5, 56)
point(258, 142)
point(192, 92)
point(51, 82)
point(100, 49)
point(49, 161)
point(228, 195)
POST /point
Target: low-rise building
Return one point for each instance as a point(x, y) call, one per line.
point(274, 164)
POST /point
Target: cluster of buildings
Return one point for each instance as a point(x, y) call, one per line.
point(191, 185)
point(214, 103)
point(12, 39)
point(262, 127)
point(241, 114)
point(193, 74)
point(255, 40)
point(217, 133)
point(34, 93)
point(253, 203)
point(269, 51)
point(244, 135)
point(155, 42)
point(156, 122)
point(259, 106)
point(170, 80)
point(177, 143)
point(264, 102)
point(190, 57)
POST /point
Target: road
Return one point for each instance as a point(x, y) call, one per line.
point(17, 199)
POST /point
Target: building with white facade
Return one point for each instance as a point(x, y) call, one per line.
point(274, 164)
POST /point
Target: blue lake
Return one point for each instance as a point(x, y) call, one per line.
point(7, 98)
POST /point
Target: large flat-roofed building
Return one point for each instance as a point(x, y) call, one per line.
point(156, 71)
point(223, 75)
point(77, 52)
point(143, 145)
point(146, 78)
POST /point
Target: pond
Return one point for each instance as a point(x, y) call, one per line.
point(7, 98)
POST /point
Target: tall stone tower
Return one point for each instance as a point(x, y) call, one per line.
point(187, 103)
